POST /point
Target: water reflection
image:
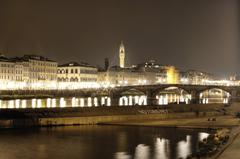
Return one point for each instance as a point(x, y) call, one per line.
point(122, 155)
point(142, 152)
point(184, 147)
point(101, 142)
point(162, 150)
point(203, 136)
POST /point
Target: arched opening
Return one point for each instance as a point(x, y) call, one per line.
point(132, 97)
point(214, 95)
point(173, 95)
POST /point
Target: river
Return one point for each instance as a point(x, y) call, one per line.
point(99, 142)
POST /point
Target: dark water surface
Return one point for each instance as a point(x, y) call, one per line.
point(98, 142)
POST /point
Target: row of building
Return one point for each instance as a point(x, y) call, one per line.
point(32, 71)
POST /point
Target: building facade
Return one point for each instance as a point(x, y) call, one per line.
point(29, 71)
point(82, 74)
point(38, 69)
point(195, 77)
point(117, 76)
point(158, 74)
point(10, 72)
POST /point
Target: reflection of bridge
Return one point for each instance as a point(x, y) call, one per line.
point(149, 91)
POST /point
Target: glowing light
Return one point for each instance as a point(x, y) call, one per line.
point(73, 102)
point(184, 148)
point(81, 102)
point(62, 103)
point(162, 150)
point(33, 103)
point(122, 155)
point(11, 104)
point(17, 103)
point(89, 102)
point(142, 100)
point(77, 102)
point(202, 136)
point(48, 102)
point(95, 102)
point(108, 101)
point(130, 100)
point(142, 152)
point(54, 103)
point(24, 103)
point(39, 103)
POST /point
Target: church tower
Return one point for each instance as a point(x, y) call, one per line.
point(122, 55)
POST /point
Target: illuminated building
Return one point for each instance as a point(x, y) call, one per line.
point(141, 74)
point(157, 73)
point(195, 77)
point(122, 55)
point(82, 74)
point(38, 68)
point(10, 72)
point(145, 73)
point(29, 71)
point(116, 76)
point(172, 75)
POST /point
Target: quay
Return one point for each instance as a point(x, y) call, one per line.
point(12, 118)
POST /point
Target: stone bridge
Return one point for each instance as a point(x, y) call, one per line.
point(115, 93)
point(194, 90)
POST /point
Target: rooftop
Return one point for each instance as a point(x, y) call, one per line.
point(76, 64)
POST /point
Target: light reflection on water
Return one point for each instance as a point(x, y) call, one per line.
point(99, 142)
point(142, 152)
point(184, 147)
point(162, 149)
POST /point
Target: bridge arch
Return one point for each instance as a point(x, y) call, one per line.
point(131, 91)
point(156, 91)
point(132, 96)
point(214, 95)
point(172, 94)
point(217, 88)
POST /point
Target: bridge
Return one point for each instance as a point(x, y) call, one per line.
point(114, 94)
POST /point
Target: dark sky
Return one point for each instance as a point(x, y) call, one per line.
point(197, 34)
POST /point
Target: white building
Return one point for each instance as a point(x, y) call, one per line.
point(27, 72)
point(11, 73)
point(77, 75)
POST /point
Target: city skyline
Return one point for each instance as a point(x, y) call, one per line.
point(121, 62)
point(176, 33)
point(104, 79)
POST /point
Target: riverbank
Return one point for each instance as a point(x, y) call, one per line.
point(225, 121)
point(231, 149)
point(94, 115)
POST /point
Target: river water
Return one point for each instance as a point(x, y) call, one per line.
point(99, 142)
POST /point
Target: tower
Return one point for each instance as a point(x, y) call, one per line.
point(106, 64)
point(122, 55)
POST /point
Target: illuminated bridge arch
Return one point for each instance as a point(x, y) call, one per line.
point(215, 88)
point(167, 88)
point(131, 91)
point(132, 96)
point(172, 94)
point(214, 95)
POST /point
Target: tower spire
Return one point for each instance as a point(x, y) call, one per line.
point(122, 55)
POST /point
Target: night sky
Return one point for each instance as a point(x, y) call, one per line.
point(190, 34)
